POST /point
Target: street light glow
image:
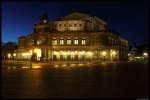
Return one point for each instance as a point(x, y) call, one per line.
point(145, 54)
point(24, 54)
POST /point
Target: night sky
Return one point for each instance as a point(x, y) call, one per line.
point(130, 19)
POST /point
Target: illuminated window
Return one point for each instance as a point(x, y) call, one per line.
point(69, 42)
point(76, 41)
point(54, 42)
point(61, 41)
point(83, 41)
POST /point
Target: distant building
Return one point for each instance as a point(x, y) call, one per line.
point(75, 37)
point(8, 50)
point(138, 52)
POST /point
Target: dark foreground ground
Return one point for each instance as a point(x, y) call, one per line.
point(124, 80)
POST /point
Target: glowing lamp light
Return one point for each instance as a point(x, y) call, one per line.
point(89, 53)
point(64, 65)
point(24, 54)
point(82, 52)
point(76, 51)
point(30, 51)
point(68, 52)
point(56, 53)
point(114, 53)
point(104, 53)
point(145, 54)
point(25, 67)
point(80, 64)
point(35, 50)
point(14, 54)
point(64, 53)
point(36, 67)
point(56, 66)
point(72, 53)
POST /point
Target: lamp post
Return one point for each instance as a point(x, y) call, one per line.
point(145, 55)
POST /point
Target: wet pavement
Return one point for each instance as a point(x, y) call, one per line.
point(117, 80)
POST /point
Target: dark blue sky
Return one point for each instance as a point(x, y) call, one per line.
point(128, 18)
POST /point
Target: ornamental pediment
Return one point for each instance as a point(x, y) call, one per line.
point(76, 16)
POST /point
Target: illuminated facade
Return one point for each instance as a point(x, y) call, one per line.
point(76, 37)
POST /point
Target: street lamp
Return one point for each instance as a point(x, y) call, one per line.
point(145, 54)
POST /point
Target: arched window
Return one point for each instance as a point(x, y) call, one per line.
point(83, 41)
point(76, 41)
point(68, 41)
point(54, 41)
point(61, 41)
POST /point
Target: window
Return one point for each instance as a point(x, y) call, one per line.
point(80, 25)
point(83, 41)
point(33, 41)
point(76, 41)
point(61, 41)
point(70, 25)
point(64, 25)
point(54, 42)
point(75, 25)
point(68, 41)
point(59, 25)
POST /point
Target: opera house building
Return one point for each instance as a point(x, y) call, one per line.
point(75, 37)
